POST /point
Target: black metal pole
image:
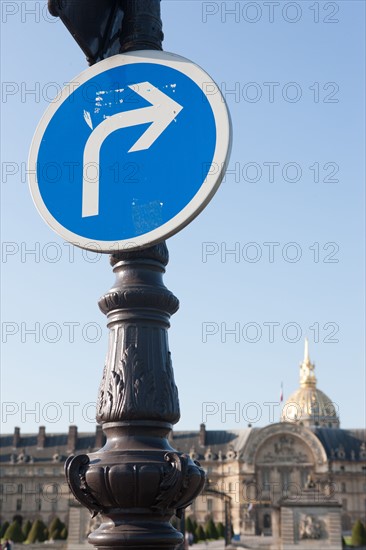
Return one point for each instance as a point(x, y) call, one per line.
point(137, 481)
point(142, 26)
point(103, 28)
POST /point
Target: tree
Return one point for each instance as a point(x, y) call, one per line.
point(14, 532)
point(64, 533)
point(358, 534)
point(26, 528)
point(38, 532)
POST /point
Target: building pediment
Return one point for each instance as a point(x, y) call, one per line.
point(284, 443)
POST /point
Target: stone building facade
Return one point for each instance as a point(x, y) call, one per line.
point(305, 455)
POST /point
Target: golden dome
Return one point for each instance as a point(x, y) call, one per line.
point(308, 405)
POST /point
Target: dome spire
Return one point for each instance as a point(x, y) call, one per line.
point(308, 405)
point(307, 374)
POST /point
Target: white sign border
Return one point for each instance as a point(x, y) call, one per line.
point(208, 188)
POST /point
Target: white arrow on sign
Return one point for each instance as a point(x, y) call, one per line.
point(162, 112)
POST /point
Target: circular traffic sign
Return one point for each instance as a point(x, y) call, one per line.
point(130, 151)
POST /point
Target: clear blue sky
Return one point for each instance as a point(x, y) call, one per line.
point(293, 77)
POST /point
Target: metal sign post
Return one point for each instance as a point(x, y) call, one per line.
point(151, 105)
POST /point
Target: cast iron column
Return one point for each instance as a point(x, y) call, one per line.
point(137, 481)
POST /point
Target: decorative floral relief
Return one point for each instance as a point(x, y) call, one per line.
point(132, 390)
point(127, 390)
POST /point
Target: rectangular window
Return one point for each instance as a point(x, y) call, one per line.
point(304, 477)
point(19, 504)
point(343, 488)
point(209, 504)
point(344, 503)
point(285, 479)
point(265, 478)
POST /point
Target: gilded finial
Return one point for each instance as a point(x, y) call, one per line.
point(307, 374)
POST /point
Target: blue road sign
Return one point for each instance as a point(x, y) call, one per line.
point(130, 151)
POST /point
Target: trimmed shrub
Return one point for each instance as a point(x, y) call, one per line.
point(55, 529)
point(3, 529)
point(189, 525)
point(64, 533)
point(26, 528)
point(38, 532)
point(14, 532)
point(18, 518)
point(358, 534)
point(210, 529)
point(221, 530)
point(55, 524)
point(200, 533)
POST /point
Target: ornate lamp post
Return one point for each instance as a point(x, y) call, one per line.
point(137, 481)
